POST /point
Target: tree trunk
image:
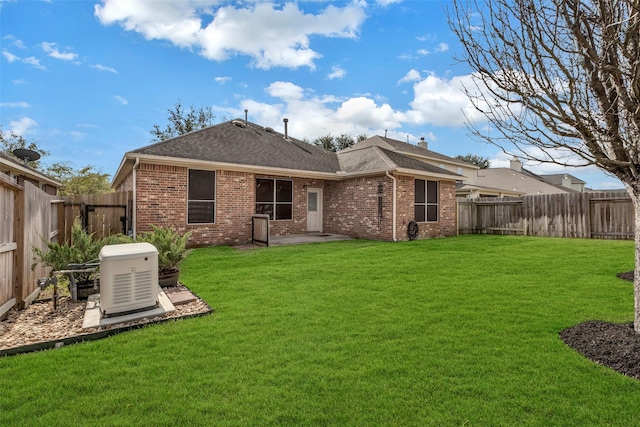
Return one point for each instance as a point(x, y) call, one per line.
point(635, 197)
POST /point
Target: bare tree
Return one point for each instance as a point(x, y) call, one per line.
point(559, 82)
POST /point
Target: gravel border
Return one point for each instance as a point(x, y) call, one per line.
point(40, 327)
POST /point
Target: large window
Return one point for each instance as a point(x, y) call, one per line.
point(274, 197)
point(201, 203)
point(426, 200)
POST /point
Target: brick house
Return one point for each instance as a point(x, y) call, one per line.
point(213, 181)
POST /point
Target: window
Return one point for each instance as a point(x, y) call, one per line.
point(426, 200)
point(201, 199)
point(274, 197)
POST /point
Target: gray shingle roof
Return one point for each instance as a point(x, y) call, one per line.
point(250, 144)
point(406, 148)
point(407, 162)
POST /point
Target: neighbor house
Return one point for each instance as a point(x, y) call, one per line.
point(515, 181)
point(20, 171)
point(213, 181)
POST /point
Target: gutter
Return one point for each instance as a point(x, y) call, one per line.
point(135, 197)
point(394, 203)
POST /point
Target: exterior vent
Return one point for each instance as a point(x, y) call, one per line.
point(270, 130)
point(128, 278)
point(239, 123)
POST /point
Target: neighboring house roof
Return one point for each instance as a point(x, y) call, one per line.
point(514, 181)
point(464, 189)
point(378, 159)
point(242, 145)
point(409, 149)
point(15, 167)
point(557, 178)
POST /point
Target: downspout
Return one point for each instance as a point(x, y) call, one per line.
point(135, 196)
point(394, 203)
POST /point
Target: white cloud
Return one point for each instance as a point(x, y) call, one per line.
point(77, 135)
point(51, 50)
point(285, 90)
point(120, 99)
point(366, 113)
point(311, 116)
point(100, 67)
point(222, 80)
point(23, 126)
point(273, 36)
point(20, 104)
point(412, 76)
point(442, 47)
point(336, 73)
point(427, 38)
point(10, 56)
point(35, 62)
point(442, 102)
point(387, 2)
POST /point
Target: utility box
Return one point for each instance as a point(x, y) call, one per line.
point(128, 278)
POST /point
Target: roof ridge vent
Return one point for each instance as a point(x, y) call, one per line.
point(239, 123)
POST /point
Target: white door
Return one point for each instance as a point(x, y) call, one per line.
point(314, 209)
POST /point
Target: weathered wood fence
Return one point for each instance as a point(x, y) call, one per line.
point(100, 214)
point(597, 215)
point(28, 218)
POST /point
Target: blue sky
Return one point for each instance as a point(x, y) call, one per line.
point(88, 80)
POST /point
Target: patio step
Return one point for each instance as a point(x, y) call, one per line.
point(179, 295)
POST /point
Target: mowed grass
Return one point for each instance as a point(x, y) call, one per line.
point(454, 331)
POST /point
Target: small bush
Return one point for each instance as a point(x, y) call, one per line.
point(171, 246)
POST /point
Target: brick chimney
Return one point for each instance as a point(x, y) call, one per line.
point(423, 143)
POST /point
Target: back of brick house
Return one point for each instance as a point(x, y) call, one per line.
point(213, 181)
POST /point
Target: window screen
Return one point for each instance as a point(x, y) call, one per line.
point(274, 197)
point(201, 199)
point(426, 200)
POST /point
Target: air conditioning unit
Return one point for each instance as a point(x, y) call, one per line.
point(128, 278)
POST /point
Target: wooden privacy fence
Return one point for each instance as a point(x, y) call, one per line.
point(597, 215)
point(28, 218)
point(100, 214)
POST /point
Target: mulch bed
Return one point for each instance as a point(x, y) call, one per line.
point(616, 346)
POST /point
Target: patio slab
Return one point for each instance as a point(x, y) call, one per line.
point(297, 239)
point(93, 316)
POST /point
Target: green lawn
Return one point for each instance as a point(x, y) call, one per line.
point(455, 331)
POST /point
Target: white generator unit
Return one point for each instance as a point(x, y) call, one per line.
point(128, 278)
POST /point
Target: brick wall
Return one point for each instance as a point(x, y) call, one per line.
point(446, 224)
point(162, 201)
point(350, 206)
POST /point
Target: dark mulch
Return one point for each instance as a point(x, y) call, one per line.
point(616, 346)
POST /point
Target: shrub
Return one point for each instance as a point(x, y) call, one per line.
point(83, 248)
point(171, 246)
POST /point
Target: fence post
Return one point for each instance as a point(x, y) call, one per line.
point(18, 234)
